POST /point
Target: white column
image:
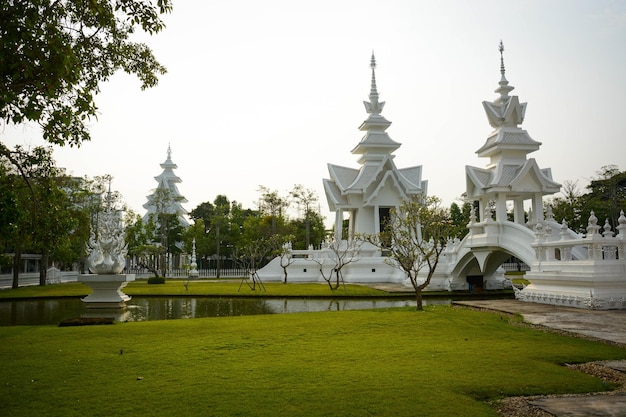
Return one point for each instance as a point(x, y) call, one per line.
point(376, 219)
point(338, 223)
point(518, 210)
point(481, 210)
point(538, 207)
point(501, 207)
point(352, 224)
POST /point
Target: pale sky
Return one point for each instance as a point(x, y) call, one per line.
point(267, 93)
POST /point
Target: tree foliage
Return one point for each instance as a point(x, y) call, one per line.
point(55, 54)
point(43, 214)
point(418, 231)
point(606, 197)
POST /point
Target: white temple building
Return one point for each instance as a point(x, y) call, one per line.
point(566, 269)
point(167, 194)
point(509, 176)
point(368, 193)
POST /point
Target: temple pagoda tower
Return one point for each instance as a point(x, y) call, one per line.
point(166, 195)
point(509, 176)
point(368, 193)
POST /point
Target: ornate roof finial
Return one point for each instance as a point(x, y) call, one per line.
point(374, 107)
point(169, 151)
point(501, 49)
point(373, 90)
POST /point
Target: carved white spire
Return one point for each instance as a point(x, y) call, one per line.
point(373, 106)
point(376, 144)
point(505, 111)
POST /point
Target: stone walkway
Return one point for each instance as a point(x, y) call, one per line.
point(609, 325)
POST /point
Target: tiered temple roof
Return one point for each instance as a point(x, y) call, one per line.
point(167, 189)
point(509, 174)
point(378, 183)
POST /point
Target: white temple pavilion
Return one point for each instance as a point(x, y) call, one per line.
point(509, 176)
point(368, 193)
point(168, 181)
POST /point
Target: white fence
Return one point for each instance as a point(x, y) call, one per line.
point(184, 273)
point(53, 276)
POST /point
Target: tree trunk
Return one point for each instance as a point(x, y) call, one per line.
point(337, 272)
point(17, 260)
point(43, 268)
point(418, 297)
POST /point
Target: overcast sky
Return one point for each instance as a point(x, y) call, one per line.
point(267, 93)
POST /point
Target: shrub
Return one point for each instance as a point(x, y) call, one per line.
point(156, 280)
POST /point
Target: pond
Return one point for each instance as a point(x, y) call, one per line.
point(53, 311)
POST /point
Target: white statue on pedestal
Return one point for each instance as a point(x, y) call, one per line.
point(107, 245)
point(106, 260)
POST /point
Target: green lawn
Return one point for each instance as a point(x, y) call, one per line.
point(203, 288)
point(445, 361)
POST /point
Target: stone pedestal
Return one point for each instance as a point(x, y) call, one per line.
point(107, 290)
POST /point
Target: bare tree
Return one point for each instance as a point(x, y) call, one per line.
point(286, 258)
point(418, 231)
point(253, 255)
point(341, 253)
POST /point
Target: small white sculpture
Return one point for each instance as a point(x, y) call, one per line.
point(107, 246)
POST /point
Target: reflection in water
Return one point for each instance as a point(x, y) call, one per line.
point(53, 311)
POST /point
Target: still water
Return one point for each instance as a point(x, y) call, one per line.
point(53, 311)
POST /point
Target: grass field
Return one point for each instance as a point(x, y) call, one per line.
point(201, 288)
point(445, 361)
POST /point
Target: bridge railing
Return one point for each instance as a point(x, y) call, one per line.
point(596, 246)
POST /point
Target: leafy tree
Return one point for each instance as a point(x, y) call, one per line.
point(305, 199)
point(607, 195)
point(55, 55)
point(41, 216)
point(568, 207)
point(273, 205)
point(141, 238)
point(168, 225)
point(460, 217)
point(53, 219)
point(316, 229)
point(418, 231)
point(223, 222)
point(254, 254)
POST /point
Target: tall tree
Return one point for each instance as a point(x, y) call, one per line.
point(42, 217)
point(607, 195)
point(168, 225)
point(141, 238)
point(418, 231)
point(569, 206)
point(272, 204)
point(305, 199)
point(460, 217)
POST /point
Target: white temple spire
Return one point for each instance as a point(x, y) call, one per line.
point(373, 89)
point(501, 49)
point(374, 107)
point(167, 181)
point(376, 144)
